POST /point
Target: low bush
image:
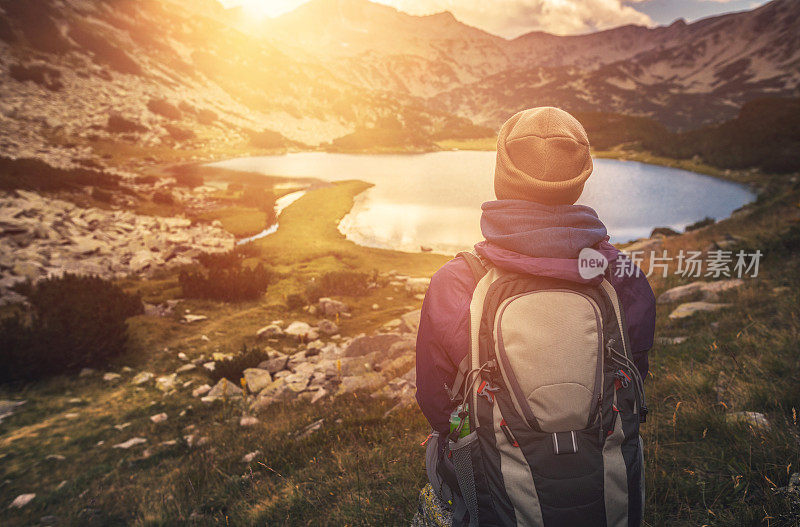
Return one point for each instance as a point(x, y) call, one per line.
point(42, 75)
point(295, 301)
point(164, 108)
point(233, 368)
point(350, 283)
point(223, 277)
point(187, 176)
point(705, 222)
point(73, 322)
point(120, 125)
point(35, 174)
point(163, 197)
point(178, 133)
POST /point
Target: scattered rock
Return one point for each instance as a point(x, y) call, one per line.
point(671, 341)
point(186, 368)
point(7, 408)
point(210, 365)
point(326, 327)
point(275, 364)
point(131, 443)
point(411, 320)
point(300, 330)
point(166, 383)
point(755, 419)
point(248, 420)
point(691, 308)
point(318, 395)
point(257, 379)
point(708, 291)
point(270, 331)
point(86, 372)
point(310, 429)
point(142, 378)
point(247, 458)
point(55, 457)
point(367, 382)
point(111, 377)
point(159, 418)
point(224, 388)
point(189, 318)
point(122, 426)
point(329, 307)
point(417, 285)
point(360, 346)
point(201, 390)
point(21, 500)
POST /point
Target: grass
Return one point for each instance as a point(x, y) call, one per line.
point(239, 220)
point(362, 469)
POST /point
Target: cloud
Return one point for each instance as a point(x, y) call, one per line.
point(511, 18)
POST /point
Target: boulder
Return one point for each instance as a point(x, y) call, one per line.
point(310, 429)
point(130, 443)
point(411, 320)
point(111, 377)
point(257, 379)
point(680, 293)
point(224, 388)
point(301, 330)
point(201, 390)
point(755, 419)
point(417, 285)
point(166, 383)
point(21, 500)
point(270, 331)
point(326, 327)
point(189, 318)
point(329, 307)
point(248, 420)
point(159, 418)
point(367, 344)
point(709, 291)
point(691, 308)
point(142, 377)
point(275, 364)
point(368, 382)
point(247, 458)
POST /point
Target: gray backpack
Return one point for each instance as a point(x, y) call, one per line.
point(554, 403)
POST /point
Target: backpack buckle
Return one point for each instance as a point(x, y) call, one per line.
point(487, 390)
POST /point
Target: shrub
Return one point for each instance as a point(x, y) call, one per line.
point(295, 301)
point(350, 283)
point(35, 174)
point(705, 222)
point(164, 197)
point(163, 108)
point(233, 368)
point(102, 195)
point(267, 139)
point(223, 277)
point(187, 176)
point(73, 322)
point(178, 133)
point(119, 125)
point(42, 75)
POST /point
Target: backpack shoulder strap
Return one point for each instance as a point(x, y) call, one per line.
point(475, 262)
point(479, 270)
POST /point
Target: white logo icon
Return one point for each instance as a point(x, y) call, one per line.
point(591, 263)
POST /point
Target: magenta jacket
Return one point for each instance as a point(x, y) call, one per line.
point(527, 238)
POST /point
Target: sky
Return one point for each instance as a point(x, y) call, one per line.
point(511, 18)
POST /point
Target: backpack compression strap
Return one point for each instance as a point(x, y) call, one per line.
point(479, 270)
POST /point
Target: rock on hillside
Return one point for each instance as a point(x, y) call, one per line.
point(42, 237)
